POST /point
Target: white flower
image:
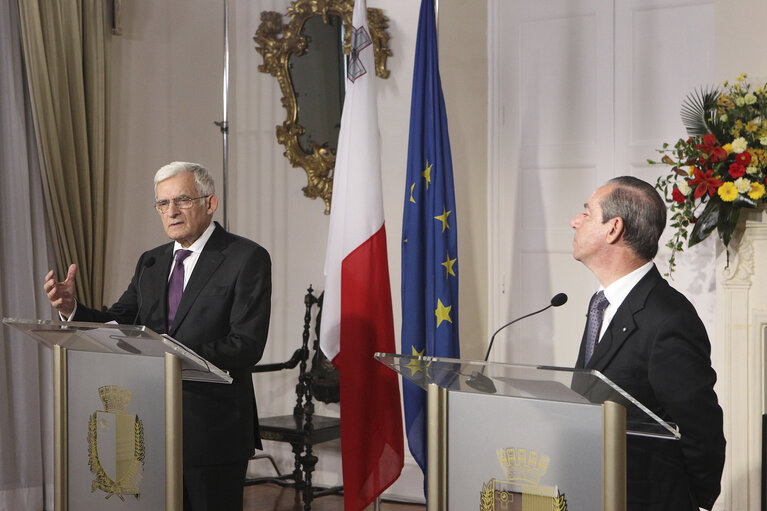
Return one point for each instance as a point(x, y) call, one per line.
point(743, 185)
point(739, 145)
point(763, 140)
point(739, 101)
point(683, 187)
point(752, 170)
point(723, 118)
point(750, 99)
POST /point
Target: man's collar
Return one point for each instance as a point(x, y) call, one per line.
point(618, 290)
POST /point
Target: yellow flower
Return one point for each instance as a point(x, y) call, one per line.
point(725, 103)
point(692, 169)
point(727, 147)
point(751, 127)
point(757, 191)
point(741, 77)
point(727, 192)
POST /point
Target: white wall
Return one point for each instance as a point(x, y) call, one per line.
point(166, 93)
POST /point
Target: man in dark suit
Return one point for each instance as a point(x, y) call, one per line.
point(651, 343)
point(215, 300)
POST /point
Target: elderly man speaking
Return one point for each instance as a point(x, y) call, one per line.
point(211, 290)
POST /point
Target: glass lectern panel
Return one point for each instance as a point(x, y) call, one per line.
point(119, 339)
point(546, 383)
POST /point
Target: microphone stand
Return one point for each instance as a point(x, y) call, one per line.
point(478, 380)
point(224, 124)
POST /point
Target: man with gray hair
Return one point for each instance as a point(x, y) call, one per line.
point(647, 338)
point(211, 290)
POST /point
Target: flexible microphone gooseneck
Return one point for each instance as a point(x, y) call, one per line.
point(148, 263)
point(558, 300)
point(478, 380)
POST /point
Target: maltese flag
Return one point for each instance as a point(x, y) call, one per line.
point(357, 316)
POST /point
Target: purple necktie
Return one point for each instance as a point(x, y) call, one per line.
point(176, 285)
point(594, 324)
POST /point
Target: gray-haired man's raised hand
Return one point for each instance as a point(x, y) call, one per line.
point(62, 294)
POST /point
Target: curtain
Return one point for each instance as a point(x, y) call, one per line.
point(65, 47)
point(26, 403)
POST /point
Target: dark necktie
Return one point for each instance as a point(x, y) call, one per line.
point(596, 309)
point(176, 285)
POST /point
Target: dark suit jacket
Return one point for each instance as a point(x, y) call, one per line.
point(656, 348)
point(224, 317)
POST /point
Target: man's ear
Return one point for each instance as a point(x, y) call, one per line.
point(615, 229)
point(212, 204)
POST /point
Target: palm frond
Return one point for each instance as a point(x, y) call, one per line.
point(697, 110)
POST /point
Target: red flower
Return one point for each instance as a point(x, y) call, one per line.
point(737, 170)
point(677, 195)
point(709, 140)
point(743, 158)
point(718, 154)
point(704, 183)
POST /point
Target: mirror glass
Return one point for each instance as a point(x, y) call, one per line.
point(318, 82)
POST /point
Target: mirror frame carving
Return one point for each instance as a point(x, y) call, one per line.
point(276, 43)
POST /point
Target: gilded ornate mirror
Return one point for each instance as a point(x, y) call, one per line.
point(308, 58)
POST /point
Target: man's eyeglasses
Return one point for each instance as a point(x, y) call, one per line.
point(182, 202)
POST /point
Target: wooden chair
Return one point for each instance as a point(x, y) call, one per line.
point(303, 429)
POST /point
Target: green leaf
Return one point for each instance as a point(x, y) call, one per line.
point(696, 110)
point(728, 220)
point(744, 201)
point(706, 223)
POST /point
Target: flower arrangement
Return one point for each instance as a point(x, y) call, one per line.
point(720, 168)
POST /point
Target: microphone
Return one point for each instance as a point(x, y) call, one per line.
point(478, 380)
point(148, 263)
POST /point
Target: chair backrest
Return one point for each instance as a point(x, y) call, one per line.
point(320, 381)
point(324, 375)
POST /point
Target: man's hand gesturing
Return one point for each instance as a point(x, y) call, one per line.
point(62, 294)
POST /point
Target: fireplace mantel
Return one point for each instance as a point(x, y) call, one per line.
point(739, 359)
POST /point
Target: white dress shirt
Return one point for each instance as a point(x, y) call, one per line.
point(196, 248)
point(618, 291)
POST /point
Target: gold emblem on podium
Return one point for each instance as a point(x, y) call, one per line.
point(521, 490)
point(116, 445)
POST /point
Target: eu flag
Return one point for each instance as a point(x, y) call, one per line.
point(429, 242)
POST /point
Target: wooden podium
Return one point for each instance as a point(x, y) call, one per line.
point(517, 437)
point(117, 413)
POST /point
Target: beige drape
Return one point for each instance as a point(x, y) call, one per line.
point(66, 44)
